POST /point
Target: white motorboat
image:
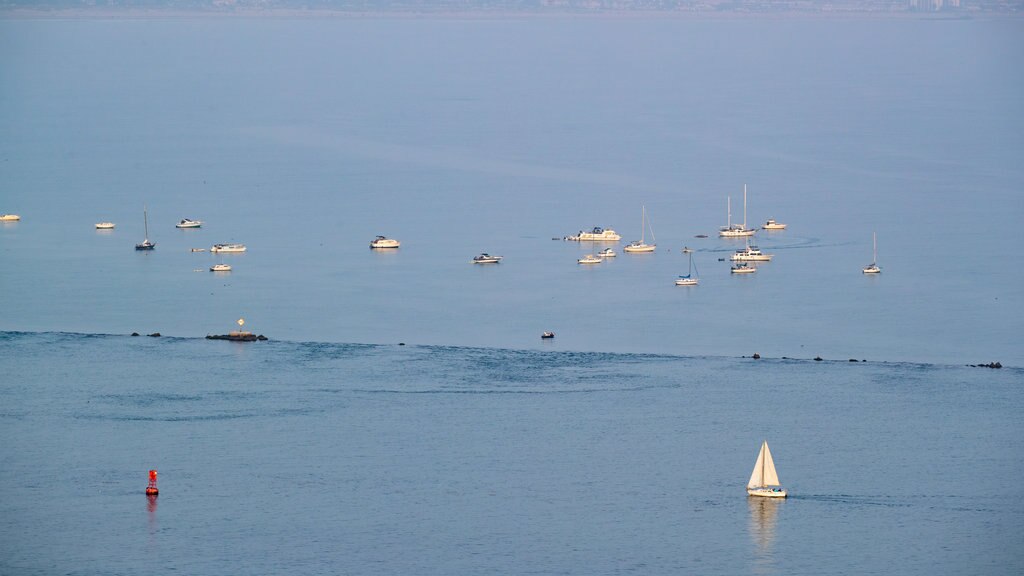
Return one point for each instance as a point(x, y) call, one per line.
point(731, 230)
point(227, 248)
point(145, 244)
point(598, 234)
point(104, 225)
point(764, 480)
point(607, 253)
point(743, 268)
point(641, 244)
point(773, 225)
point(873, 268)
point(485, 258)
point(220, 268)
point(750, 254)
point(691, 278)
point(9, 217)
point(590, 259)
point(186, 223)
point(384, 242)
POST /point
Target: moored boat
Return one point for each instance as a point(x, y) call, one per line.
point(873, 268)
point(145, 244)
point(607, 253)
point(384, 242)
point(9, 217)
point(773, 225)
point(731, 230)
point(590, 259)
point(227, 248)
point(743, 268)
point(750, 254)
point(597, 234)
point(186, 223)
point(485, 258)
point(220, 268)
point(104, 225)
point(641, 245)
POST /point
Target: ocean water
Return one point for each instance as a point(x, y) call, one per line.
point(405, 416)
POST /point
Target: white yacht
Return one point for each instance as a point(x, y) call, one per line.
point(220, 268)
point(485, 258)
point(607, 253)
point(104, 225)
point(227, 248)
point(384, 242)
point(9, 217)
point(742, 268)
point(598, 234)
point(186, 223)
point(773, 225)
point(641, 244)
point(750, 254)
point(731, 230)
point(590, 259)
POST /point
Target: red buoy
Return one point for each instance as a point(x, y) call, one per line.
point(151, 490)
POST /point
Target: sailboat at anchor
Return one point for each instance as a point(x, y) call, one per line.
point(689, 279)
point(641, 245)
point(145, 244)
point(764, 480)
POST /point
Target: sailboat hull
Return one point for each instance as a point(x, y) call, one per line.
point(767, 492)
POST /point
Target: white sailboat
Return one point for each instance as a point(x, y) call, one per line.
point(873, 267)
point(731, 230)
point(764, 480)
point(641, 245)
point(689, 279)
point(145, 244)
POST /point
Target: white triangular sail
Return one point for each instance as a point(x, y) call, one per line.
point(764, 473)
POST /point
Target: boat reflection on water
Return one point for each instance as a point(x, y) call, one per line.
point(763, 513)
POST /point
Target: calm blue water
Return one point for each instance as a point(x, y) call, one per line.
point(621, 446)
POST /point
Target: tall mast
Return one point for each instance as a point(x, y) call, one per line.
point(728, 209)
point(145, 221)
point(874, 250)
point(643, 221)
point(744, 206)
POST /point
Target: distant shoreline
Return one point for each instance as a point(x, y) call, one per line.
point(171, 14)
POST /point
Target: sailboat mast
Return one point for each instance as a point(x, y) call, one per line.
point(744, 206)
point(728, 210)
point(145, 221)
point(874, 249)
point(643, 222)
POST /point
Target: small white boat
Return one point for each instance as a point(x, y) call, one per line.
point(228, 248)
point(590, 259)
point(9, 217)
point(104, 225)
point(690, 279)
point(764, 480)
point(547, 335)
point(145, 244)
point(383, 242)
point(750, 254)
point(607, 253)
point(641, 244)
point(199, 249)
point(598, 234)
point(873, 267)
point(485, 258)
point(773, 225)
point(220, 268)
point(731, 230)
point(743, 268)
point(186, 223)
